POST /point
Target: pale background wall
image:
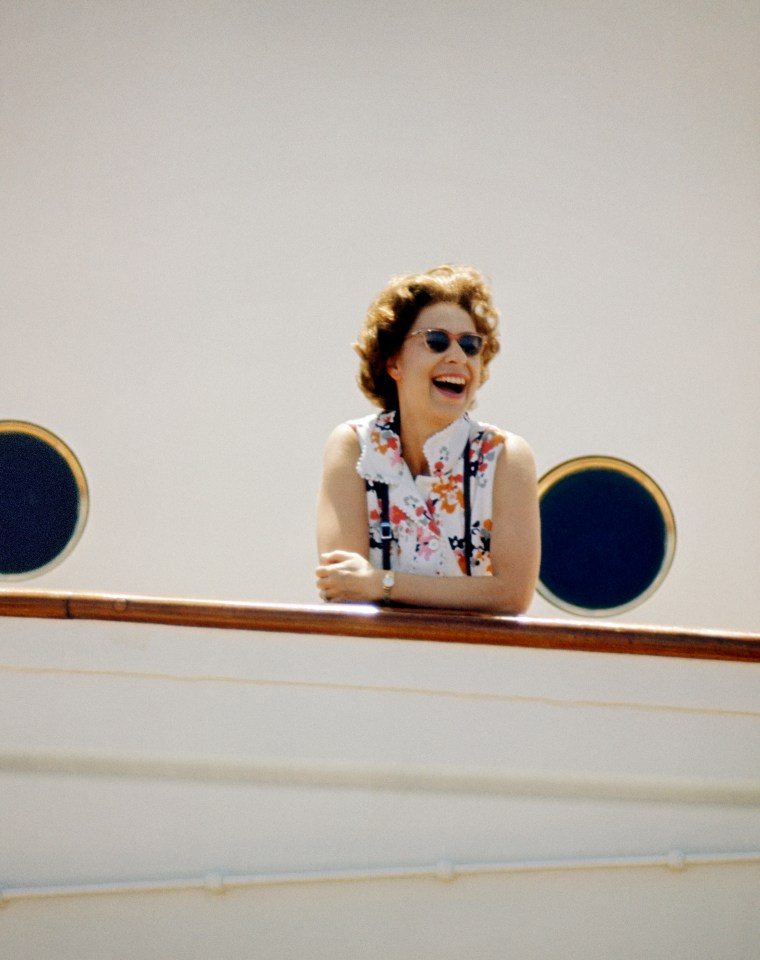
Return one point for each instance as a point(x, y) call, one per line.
point(200, 198)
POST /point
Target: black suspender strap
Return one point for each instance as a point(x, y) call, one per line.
point(466, 477)
point(386, 530)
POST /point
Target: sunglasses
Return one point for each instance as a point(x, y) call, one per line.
point(438, 341)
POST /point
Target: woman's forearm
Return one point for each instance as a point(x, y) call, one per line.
point(489, 593)
point(347, 577)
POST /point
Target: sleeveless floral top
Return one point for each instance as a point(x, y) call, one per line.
point(427, 514)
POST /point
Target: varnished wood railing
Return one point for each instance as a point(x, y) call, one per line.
point(442, 626)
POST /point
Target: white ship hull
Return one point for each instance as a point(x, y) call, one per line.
point(189, 792)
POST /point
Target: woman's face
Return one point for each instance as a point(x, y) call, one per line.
point(441, 386)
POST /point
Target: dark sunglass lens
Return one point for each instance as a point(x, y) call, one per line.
point(437, 340)
point(470, 344)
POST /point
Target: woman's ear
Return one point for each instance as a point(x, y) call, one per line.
point(392, 369)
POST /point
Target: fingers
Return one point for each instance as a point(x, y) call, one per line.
point(326, 581)
point(341, 576)
point(326, 569)
point(336, 563)
point(336, 556)
point(322, 582)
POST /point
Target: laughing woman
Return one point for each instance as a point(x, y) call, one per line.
point(419, 504)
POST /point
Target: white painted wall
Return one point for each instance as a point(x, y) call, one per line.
point(200, 198)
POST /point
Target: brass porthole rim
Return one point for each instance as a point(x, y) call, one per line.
point(599, 461)
point(47, 436)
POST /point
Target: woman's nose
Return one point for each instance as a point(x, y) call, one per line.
point(455, 350)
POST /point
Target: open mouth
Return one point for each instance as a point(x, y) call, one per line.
point(451, 385)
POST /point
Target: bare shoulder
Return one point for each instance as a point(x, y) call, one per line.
point(342, 446)
point(517, 464)
point(519, 451)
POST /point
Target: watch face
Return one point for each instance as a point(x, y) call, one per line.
point(388, 579)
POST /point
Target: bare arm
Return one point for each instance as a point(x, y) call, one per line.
point(345, 574)
point(342, 522)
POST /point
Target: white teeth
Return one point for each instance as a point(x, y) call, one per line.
point(449, 379)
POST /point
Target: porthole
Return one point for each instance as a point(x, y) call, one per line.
point(607, 536)
point(44, 500)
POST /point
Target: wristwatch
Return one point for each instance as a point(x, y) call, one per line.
point(389, 578)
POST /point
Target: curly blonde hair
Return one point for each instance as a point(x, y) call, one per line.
point(392, 313)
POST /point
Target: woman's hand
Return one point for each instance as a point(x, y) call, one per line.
point(348, 578)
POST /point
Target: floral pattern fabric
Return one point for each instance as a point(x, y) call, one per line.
point(427, 513)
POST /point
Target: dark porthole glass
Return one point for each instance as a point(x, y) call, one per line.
point(43, 500)
point(607, 536)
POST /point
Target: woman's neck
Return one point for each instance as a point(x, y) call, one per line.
point(414, 436)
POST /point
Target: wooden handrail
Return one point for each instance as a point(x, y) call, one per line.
point(402, 623)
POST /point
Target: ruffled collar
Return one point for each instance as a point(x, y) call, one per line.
point(381, 459)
